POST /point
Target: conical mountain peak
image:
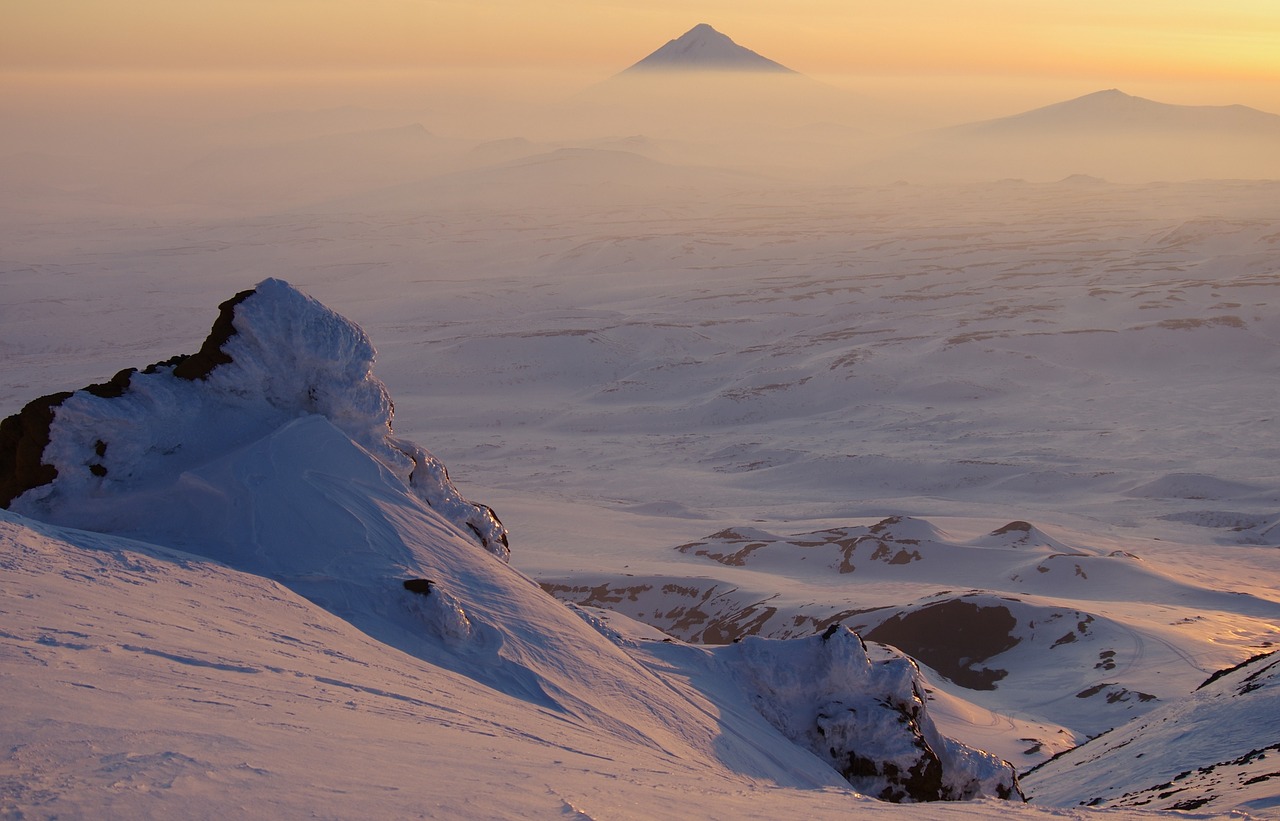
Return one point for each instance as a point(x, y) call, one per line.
point(702, 48)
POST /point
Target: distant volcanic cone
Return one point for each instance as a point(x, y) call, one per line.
point(702, 48)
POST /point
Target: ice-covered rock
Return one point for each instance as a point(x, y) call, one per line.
point(274, 356)
point(866, 717)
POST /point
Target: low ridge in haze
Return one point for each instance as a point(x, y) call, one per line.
point(1114, 109)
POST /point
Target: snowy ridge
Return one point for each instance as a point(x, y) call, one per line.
point(146, 682)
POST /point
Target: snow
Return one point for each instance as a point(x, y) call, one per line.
point(1044, 405)
point(825, 693)
point(183, 686)
point(1229, 756)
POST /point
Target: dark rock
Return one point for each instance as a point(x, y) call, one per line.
point(114, 387)
point(922, 781)
point(951, 636)
point(23, 438)
point(1228, 670)
point(200, 364)
point(419, 586)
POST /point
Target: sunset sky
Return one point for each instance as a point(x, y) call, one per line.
point(1187, 51)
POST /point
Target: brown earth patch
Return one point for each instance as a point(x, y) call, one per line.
point(951, 637)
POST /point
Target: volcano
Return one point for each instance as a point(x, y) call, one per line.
point(702, 48)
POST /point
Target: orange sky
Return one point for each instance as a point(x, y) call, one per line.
point(1226, 51)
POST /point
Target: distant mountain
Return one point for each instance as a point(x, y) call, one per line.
point(703, 89)
point(1114, 110)
point(702, 48)
point(1107, 134)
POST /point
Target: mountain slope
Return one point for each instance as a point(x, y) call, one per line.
point(144, 682)
point(1205, 752)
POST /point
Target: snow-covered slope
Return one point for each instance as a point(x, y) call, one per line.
point(241, 526)
point(1203, 752)
point(142, 682)
point(1050, 629)
point(1095, 360)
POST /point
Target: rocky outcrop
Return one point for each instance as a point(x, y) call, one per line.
point(23, 438)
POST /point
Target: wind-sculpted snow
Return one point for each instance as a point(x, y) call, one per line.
point(867, 718)
point(107, 452)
